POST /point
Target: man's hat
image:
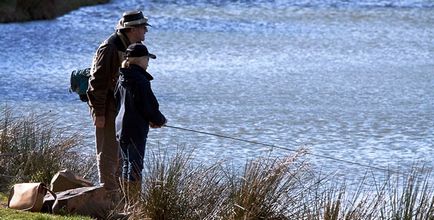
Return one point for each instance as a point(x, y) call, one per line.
point(138, 50)
point(132, 19)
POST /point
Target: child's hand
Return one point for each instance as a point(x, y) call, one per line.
point(152, 125)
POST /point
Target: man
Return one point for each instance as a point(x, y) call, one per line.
point(131, 28)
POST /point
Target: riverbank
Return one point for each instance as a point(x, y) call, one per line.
point(20, 10)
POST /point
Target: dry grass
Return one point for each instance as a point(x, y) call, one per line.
point(176, 187)
point(269, 188)
point(33, 150)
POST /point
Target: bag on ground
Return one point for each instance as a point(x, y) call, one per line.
point(27, 196)
point(89, 201)
point(65, 179)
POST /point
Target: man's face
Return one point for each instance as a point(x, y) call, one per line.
point(140, 32)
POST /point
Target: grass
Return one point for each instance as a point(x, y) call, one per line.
point(10, 214)
point(176, 186)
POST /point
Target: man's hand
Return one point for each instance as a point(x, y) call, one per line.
point(99, 121)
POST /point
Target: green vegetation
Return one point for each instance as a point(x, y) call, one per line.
point(176, 186)
point(10, 214)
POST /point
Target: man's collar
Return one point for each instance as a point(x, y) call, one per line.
point(125, 41)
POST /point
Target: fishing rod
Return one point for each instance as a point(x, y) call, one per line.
point(283, 148)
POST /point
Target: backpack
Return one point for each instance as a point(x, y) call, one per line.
point(79, 83)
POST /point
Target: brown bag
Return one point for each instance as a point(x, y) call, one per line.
point(27, 196)
point(90, 201)
point(65, 179)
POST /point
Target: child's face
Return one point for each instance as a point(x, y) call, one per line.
point(144, 61)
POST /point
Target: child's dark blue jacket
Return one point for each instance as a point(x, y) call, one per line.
point(136, 103)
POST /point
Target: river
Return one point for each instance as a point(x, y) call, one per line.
point(352, 80)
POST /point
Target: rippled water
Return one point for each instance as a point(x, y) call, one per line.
point(352, 80)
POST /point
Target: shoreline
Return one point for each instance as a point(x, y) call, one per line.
point(22, 11)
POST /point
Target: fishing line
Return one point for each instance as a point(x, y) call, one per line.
point(283, 148)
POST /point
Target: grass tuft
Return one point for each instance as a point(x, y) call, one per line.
point(32, 149)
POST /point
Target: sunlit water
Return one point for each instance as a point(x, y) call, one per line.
point(353, 80)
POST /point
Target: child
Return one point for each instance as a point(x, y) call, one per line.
point(138, 110)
